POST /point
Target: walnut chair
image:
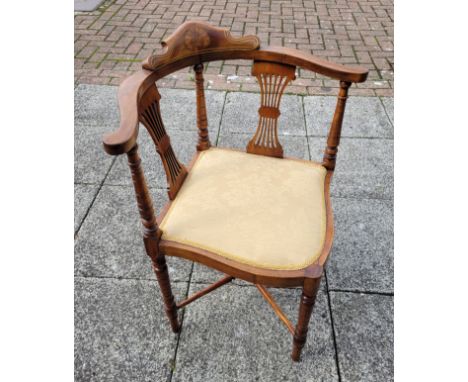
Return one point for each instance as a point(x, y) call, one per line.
point(252, 215)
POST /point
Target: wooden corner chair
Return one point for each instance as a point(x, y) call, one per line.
point(253, 215)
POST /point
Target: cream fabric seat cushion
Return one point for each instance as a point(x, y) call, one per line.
point(257, 210)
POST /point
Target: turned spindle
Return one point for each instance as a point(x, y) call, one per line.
point(329, 157)
point(202, 120)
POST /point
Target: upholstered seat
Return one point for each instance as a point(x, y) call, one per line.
point(257, 210)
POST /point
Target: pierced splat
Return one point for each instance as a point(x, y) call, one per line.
point(273, 79)
point(150, 117)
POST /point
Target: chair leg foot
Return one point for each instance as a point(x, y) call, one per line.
point(309, 293)
point(160, 268)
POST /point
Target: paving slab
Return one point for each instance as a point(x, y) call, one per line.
point(364, 336)
point(96, 113)
point(184, 145)
point(91, 162)
point(97, 105)
point(388, 105)
point(179, 109)
point(241, 114)
point(233, 335)
point(121, 331)
point(364, 167)
point(362, 253)
point(110, 242)
point(364, 117)
point(87, 5)
point(84, 195)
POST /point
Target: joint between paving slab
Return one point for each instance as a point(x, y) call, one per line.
point(353, 137)
point(94, 198)
point(357, 291)
point(385, 110)
point(335, 345)
point(119, 278)
point(182, 316)
point(221, 119)
point(305, 127)
point(361, 198)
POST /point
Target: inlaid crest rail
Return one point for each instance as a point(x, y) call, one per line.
point(195, 38)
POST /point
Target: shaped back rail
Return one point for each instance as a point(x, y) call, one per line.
point(196, 42)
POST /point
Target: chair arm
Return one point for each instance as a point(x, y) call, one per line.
point(308, 61)
point(132, 88)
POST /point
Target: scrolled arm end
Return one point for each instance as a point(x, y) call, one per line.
point(124, 138)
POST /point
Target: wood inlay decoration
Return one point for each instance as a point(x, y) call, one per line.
point(273, 79)
point(193, 38)
point(150, 116)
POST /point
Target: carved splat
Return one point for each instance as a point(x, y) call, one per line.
point(273, 79)
point(150, 116)
point(194, 38)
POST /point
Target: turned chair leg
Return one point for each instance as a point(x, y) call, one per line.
point(162, 274)
point(309, 293)
point(151, 235)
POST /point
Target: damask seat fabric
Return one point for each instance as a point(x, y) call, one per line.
point(262, 211)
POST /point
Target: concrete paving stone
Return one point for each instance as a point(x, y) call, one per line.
point(110, 242)
point(91, 162)
point(241, 114)
point(233, 335)
point(84, 195)
point(364, 336)
point(96, 113)
point(87, 5)
point(364, 117)
point(364, 167)
point(388, 105)
point(184, 145)
point(97, 105)
point(362, 254)
point(121, 331)
point(179, 109)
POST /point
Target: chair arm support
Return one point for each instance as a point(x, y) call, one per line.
point(132, 88)
point(308, 61)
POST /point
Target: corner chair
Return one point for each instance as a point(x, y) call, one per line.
point(253, 215)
